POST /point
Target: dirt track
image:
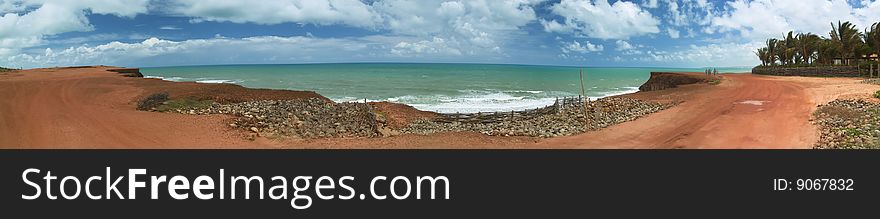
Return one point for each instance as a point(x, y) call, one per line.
point(79, 108)
point(90, 108)
point(745, 111)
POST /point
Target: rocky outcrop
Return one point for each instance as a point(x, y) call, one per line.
point(666, 80)
point(823, 71)
point(128, 72)
point(310, 118)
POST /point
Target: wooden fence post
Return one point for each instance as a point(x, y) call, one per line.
point(584, 94)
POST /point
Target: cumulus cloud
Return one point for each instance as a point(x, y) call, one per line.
point(716, 54)
point(476, 25)
point(601, 19)
point(760, 19)
point(673, 33)
point(263, 49)
point(687, 12)
point(321, 12)
point(576, 47)
point(434, 46)
point(472, 25)
point(23, 28)
point(650, 4)
point(623, 45)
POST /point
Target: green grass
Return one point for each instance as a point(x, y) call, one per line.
point(877, 94)
point(2, 69)
point(715, 81)
point(184, 104)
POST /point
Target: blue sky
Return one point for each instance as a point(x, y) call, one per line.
point(661, 33)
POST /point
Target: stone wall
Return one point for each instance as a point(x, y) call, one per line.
point(825, 71)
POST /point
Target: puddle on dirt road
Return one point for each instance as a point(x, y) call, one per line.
point(754, 102)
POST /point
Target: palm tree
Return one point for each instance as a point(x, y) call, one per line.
point(771, 51)
point(846, 36)
point(763, 55)
point(807, 45)
point(826, 50)
point(787, 48)
point(872, 38)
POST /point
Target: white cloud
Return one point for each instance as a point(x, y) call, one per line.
point(602, 20)
point(760, 19)
point(22, 28)
point(473, 26)
point(416, 28)
point(650, 3)
point(320, 12)
point(470, 25)
point(718, 55)
point(576, 47)
point(435, 46)
point(201, 51)
point(623, 45)
point(686, 12)
point(674, 34)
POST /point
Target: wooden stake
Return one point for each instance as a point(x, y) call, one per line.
point(584, 95)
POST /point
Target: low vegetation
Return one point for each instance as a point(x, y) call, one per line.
point(2, 69)
point(877, 94)
point(160, 102)
point(152, 101)
point(183, 104)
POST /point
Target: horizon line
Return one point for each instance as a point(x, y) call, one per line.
point(458, 63)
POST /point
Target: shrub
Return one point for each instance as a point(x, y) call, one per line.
point(152, 101)
point(184, 104)
point(877, 94)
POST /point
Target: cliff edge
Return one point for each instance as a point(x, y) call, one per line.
point(666, 80)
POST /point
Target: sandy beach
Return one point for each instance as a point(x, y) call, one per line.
point(95, 108)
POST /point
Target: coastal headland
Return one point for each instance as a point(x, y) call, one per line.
point(96, 107)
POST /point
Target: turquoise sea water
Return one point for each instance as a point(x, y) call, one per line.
point(435, 87)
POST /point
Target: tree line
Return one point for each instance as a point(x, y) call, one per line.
point(846, 43)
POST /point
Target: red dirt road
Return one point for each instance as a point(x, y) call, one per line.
point(85, 108)
point(745, 111)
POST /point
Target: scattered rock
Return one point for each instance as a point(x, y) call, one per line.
point(545, 122)
point(872, 81)
point(309, 118)
point(848, 124)
point(316, 118)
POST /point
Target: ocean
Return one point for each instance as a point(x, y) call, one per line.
point(445, 88)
